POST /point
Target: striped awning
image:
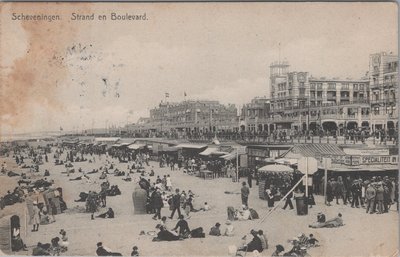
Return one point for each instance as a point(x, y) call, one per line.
point(312, 150)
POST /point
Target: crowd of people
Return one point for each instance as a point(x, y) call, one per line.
point(376, 195)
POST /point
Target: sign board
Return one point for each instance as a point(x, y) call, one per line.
point(366, 151)
point(307, 165)
point(374, 160)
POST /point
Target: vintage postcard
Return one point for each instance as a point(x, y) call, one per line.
point(199, 129)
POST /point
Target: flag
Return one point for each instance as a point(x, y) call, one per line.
point(184, 94)
point(61, 129)
point(167, 95)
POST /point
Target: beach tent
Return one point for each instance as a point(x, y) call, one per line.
point(5, 234)
point(53, 195)
point(139, 197)
point(275, 174)
point(7, 223)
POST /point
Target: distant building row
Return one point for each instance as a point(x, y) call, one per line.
point(298, 101)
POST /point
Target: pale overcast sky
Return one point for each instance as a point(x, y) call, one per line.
point(222, 51)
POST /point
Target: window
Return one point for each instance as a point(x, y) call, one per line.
point(332, 86)
point(355, 86)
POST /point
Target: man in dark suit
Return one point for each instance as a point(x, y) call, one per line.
point(250, 178)
point(176, 204)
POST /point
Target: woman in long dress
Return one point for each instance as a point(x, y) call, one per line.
point(169, 183)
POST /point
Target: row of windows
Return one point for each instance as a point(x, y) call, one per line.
point(332, 86)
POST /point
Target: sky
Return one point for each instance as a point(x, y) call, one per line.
point(83, 74)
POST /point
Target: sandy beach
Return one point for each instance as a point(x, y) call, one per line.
point(362, 235)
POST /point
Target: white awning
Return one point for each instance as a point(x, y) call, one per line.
point(277, 168)
point(286, 161)
point(106, 139)
point(229, 156)
point(136, 146)
point(191, 146)
point(208, 151)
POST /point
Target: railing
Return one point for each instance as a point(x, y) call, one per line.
point(246, 138)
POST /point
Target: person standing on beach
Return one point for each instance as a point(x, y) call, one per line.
point(35, 217)
point(250, 178)
point(168, 183)
point(176, 203)
point(245, 192)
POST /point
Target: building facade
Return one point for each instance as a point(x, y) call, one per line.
point(383, 81)
point(301, 102)
point(190, 117)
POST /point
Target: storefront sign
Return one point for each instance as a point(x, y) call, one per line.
point(367, 151)
point(373, 159)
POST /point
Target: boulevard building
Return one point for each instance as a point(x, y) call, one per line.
point(189, 117)
point(299, 101)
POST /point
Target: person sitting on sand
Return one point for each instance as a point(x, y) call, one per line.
point(244, 214)
point(93, 171)
point(230, 229)
point(332, 223)
point(164, 223)
point(64, 241)
point(215, 230)
point(103, 175)
point(312, 241)
point(80, 178)
point(263, 238)
point(55, 248)
point(102, 251)
point(44, 218)
point(135, 251)
point(107, 215)
point(127, 178)
point(165, 235)
point(39, 250)
point(206, 207)
point(183, 227)
point(279, 249)
point(254, 244)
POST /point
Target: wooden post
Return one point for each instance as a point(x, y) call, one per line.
point(237, 165)
point(325, 179)
point(307, 177)
point(26, 222)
